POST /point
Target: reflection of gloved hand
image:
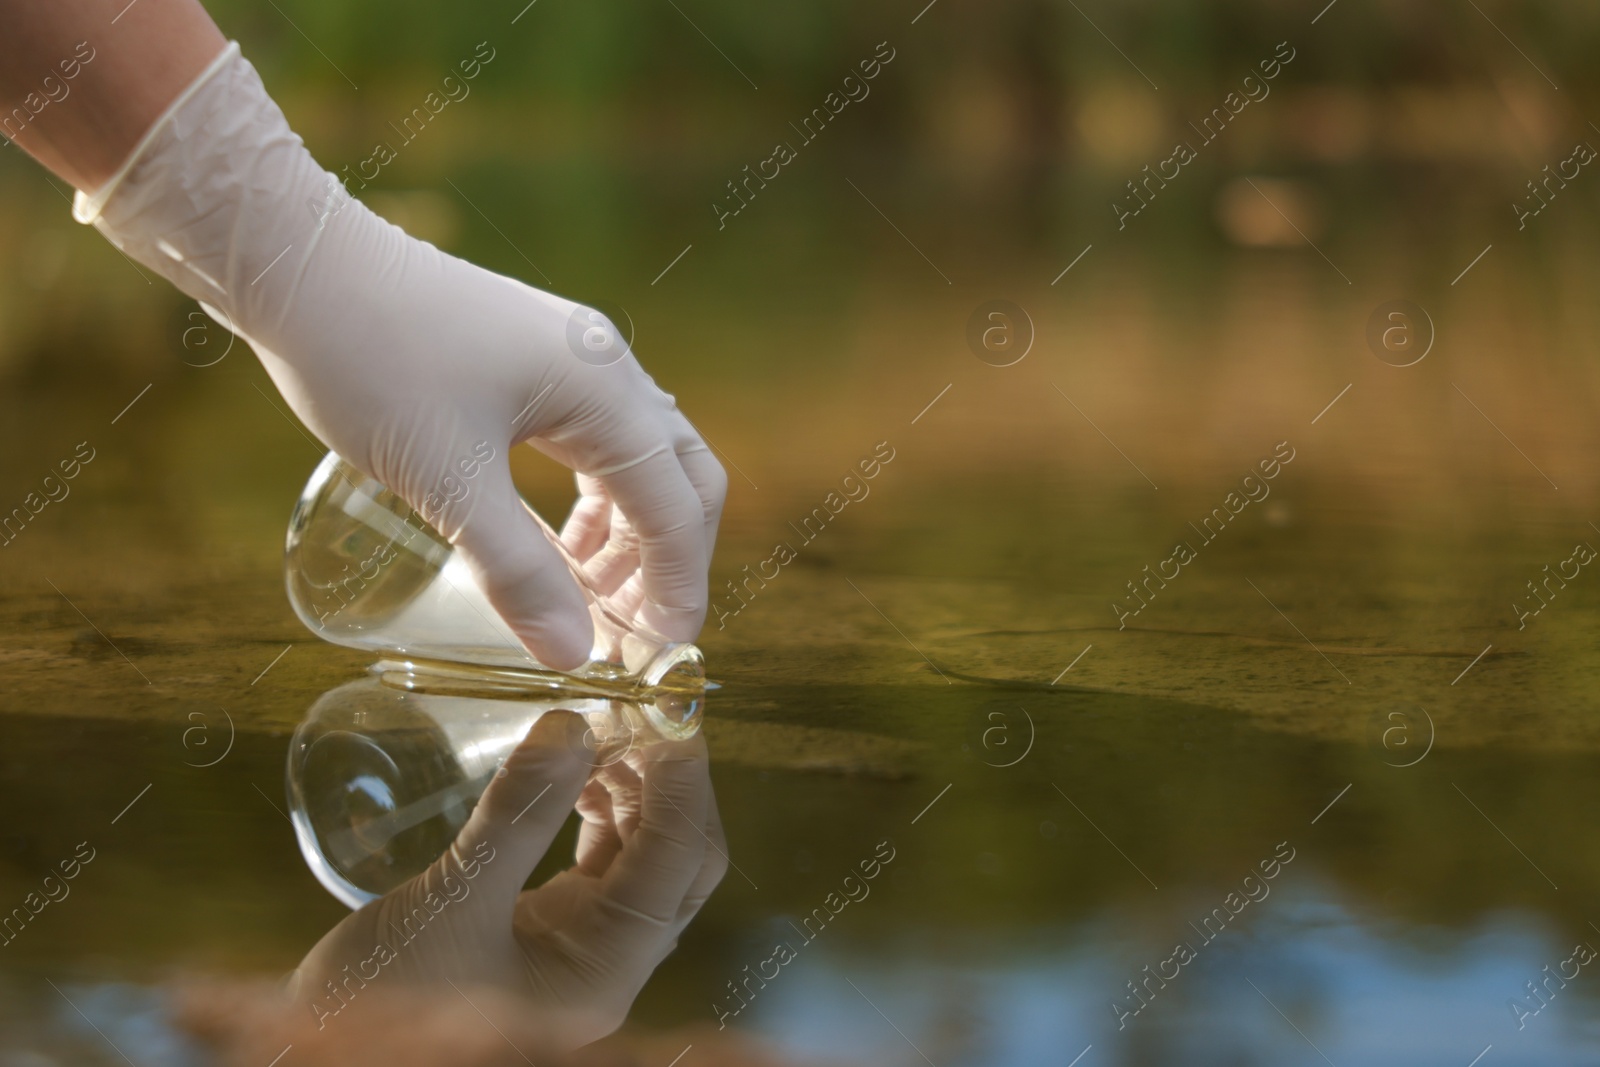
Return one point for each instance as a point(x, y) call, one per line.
point(576, 950)
point(415, 365)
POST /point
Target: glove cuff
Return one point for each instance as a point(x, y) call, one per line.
point(86, 207)
point(216, 195)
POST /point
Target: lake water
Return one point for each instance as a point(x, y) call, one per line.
point(1075, 774)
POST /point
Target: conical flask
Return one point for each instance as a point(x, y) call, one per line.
point(365, 570)
point(383, 772)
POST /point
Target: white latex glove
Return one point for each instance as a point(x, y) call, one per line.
point(413, 364)
point(572, 953)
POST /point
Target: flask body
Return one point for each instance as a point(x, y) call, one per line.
point(364, 569)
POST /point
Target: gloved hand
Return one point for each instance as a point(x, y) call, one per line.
point(572, 953)
point(413, 364)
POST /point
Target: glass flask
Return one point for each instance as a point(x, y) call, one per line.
point(366, 570)
point(384, 772)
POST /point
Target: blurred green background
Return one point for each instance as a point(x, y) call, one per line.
point(601, 134)
point(829, 313)
point(825, 318)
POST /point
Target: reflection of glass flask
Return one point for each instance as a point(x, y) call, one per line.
point(365, 570)
point(383, 772)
